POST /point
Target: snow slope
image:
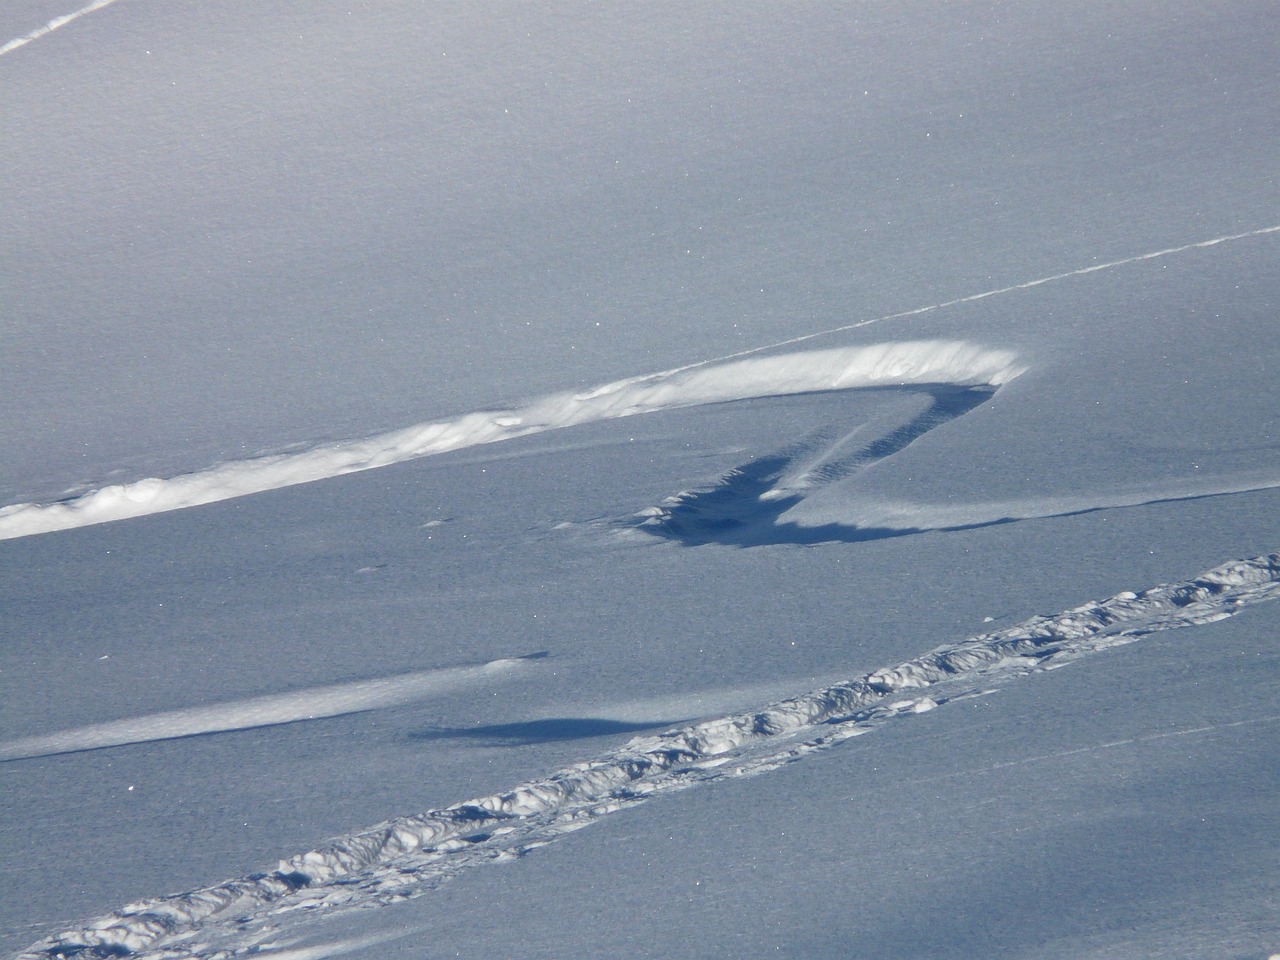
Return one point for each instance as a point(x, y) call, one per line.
point(344, 316)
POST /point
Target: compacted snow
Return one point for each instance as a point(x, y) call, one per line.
point(829, 452)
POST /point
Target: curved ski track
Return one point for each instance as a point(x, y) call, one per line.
point(406, 857)
point(728, 377)
point(947, 362)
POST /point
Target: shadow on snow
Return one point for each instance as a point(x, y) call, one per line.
point(549, 730)
point(737, 511)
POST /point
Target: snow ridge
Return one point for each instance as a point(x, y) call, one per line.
point(332, 700)
point(880, 517)
point(912, 362)
point(407, 856)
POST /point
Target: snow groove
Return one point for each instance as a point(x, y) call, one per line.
point(406, 856)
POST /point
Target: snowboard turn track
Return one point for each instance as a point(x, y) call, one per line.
point(954, 363)
point(408, 856)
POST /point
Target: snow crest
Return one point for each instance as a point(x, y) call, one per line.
point(910, 362)
point(407, 856)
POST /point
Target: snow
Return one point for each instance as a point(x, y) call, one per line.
point(521, 481)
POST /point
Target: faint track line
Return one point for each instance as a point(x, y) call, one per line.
point(985, 294)
point(53, 25)
point(1092, 748)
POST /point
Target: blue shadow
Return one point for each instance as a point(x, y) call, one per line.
point(549, 730)
point(733, 513)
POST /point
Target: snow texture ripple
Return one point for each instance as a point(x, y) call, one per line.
point(406, 857)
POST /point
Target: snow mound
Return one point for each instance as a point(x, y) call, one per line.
point(911, 362)
point(405, 857)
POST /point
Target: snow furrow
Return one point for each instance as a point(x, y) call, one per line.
point(406, 856)
point(912, 362)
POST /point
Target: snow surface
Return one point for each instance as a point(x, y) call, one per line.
point(660, 396)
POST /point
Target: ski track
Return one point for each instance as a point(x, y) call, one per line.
point(408, 856)
point(998, 291)
point(53, 25)
point(916, 362)
point(316, 703)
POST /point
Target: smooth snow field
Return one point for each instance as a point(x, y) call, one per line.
point(664, 480)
